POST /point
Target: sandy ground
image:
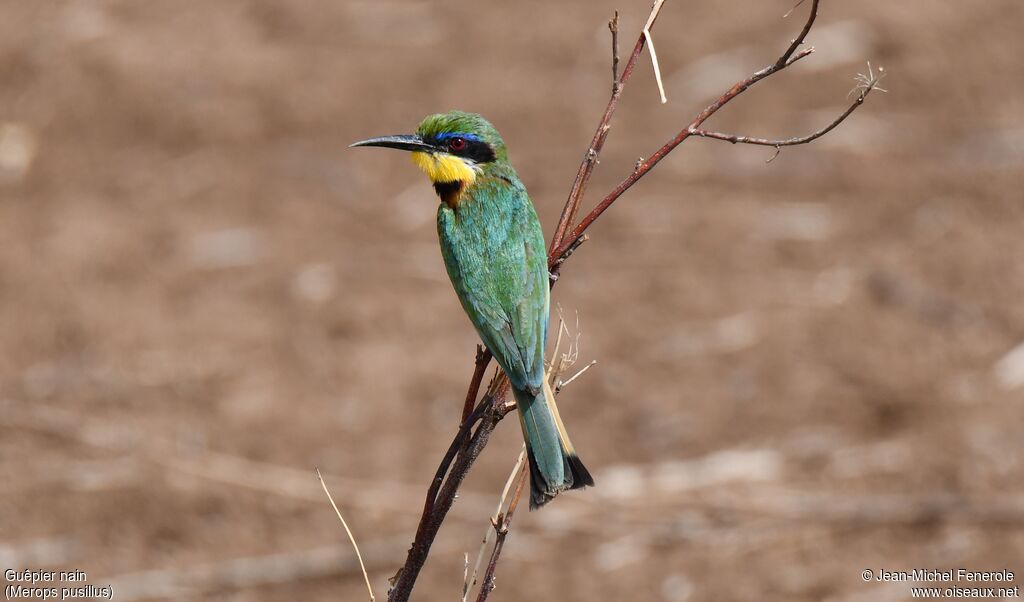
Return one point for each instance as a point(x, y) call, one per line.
point(805, 368)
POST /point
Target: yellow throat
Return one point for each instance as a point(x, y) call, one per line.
point(441, 167)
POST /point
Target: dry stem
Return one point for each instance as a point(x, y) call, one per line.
point(351, 537)
point(650, 44)
point(501, 526)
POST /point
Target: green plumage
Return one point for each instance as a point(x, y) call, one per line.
point(494, 251)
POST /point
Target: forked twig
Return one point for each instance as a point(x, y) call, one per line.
point(790, 56)
point(579, 185)
point(865, 88)
point(351, 537)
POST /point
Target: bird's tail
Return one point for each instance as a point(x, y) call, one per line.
point(554, 465)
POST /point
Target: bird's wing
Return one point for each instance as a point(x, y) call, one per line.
point(531, 311)
point(497, 262)
point(517, 310)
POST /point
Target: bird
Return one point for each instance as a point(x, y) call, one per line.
point(493, 250)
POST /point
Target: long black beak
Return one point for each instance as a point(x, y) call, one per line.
point(409, 142)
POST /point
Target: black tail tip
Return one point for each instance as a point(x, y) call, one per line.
point(542, 492)
point(538, 498)
point(580, 475)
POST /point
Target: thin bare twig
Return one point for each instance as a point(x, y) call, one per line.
point(501, 526)
point(575, 376)
point(790, 11)
point(865, 89)
point(613, 26)
point(469, 583)
point(351, 537)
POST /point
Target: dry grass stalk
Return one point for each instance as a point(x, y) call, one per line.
point(359, 556)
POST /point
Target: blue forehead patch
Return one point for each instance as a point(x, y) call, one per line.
point(467, 136)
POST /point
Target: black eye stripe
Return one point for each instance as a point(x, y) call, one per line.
point(477, 150)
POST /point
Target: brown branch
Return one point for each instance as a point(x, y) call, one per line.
point(579, 185)
point(501, 527)
point(483, 357)
point(458, 445)
point(464, 450)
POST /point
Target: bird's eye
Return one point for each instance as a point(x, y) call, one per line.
point(457, 144)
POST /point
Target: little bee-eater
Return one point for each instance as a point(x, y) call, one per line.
point(493, 248)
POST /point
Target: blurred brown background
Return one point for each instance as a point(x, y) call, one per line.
point(805, 368)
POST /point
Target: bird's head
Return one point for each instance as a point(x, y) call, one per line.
point(451, 148)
